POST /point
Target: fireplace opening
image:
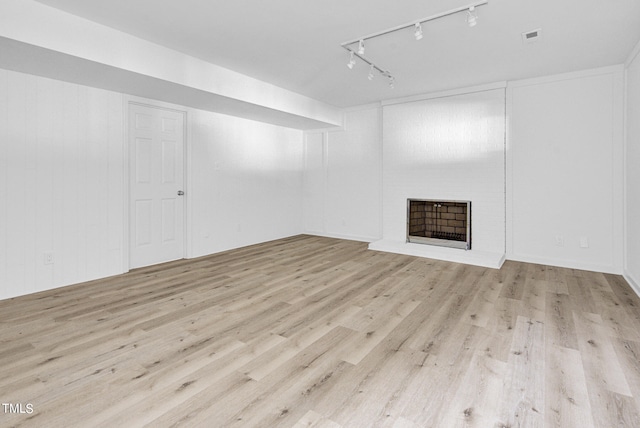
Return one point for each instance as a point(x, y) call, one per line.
point(443, 223)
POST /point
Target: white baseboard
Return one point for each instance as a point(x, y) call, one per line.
point(471, 257)
point(570, 264)
point(339, 236)
point(635, 284)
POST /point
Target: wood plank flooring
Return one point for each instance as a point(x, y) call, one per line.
point(319, 332)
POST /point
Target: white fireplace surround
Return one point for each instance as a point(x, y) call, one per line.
point(450, 148)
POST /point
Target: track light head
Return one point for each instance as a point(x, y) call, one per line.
point(418, 31)
point(352, 61)
point(370, 76)
point(361, 47)
point(472, 19)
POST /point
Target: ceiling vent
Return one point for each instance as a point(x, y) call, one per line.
point(532, 36)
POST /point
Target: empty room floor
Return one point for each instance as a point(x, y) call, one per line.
point(310, 331)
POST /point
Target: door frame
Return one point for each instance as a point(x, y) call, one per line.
point(129, 100)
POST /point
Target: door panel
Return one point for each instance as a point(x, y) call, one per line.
point(156, 139)
point(143, 222)
point(169, 226)
point(168, 162)
point(143, 160)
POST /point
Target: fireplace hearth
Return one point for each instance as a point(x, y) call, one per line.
point(439, 222)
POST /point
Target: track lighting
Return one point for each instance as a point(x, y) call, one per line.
point(352, 61)
point(416, 26)
point(418, 32)
point(472, 19)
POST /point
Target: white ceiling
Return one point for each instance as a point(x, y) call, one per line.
point(295, 44)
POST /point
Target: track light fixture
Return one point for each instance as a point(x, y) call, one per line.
point(352, 61)
point(472, 21)
point(372, 67)
point(418, 31)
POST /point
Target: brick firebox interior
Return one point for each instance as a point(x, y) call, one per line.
point(430, 218)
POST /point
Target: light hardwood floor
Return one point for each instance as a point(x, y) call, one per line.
point(310, 331)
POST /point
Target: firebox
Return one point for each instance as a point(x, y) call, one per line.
point(443, 223)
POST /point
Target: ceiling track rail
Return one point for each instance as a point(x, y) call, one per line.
point(358, 51)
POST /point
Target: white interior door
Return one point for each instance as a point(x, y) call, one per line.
point(156, 155)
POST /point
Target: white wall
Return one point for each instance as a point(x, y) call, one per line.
point(246, 182)
point(632, 271)
point(61, 183)
point(62, 169)
point(565, 166)
point(564, 169)
point(342, 178)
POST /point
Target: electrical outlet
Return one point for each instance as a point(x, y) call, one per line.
point(560, 240)
point(48, 258)
point(584, 242)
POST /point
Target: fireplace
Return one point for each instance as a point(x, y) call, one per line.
point(443, 223)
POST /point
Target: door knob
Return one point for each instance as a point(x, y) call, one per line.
point(180, 193)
